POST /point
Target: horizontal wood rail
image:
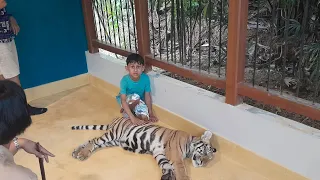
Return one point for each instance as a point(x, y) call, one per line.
point(188, 73)
point(89, 24)
point(279, 101)
point(111, 48)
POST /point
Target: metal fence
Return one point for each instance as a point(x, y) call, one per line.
point(190, 33)
point(265, 50)
point(115, 23)
point(283, 47)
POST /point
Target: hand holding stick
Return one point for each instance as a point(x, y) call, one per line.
point(43, 175)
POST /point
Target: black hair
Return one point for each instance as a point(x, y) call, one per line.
point(135, 58)
point(14, 115)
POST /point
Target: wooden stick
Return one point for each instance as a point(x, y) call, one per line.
point(43, 175)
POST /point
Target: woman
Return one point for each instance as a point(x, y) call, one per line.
point(14, 119)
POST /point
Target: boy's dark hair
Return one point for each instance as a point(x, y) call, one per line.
point(14, 115)
point(135, 58)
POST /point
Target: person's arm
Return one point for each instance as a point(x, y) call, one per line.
point(126, 107)
point(13, 22)
point(13, 149)
point(123, 97)
point(31, 148)
point(14, 25)
point(148, 100)
point(147, 95)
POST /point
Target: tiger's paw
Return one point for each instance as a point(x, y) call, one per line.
point(83, 152)
point(167, 174)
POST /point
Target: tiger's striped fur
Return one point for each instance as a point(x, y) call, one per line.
point(169, 147)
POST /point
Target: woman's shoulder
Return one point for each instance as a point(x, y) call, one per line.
point(17, 172)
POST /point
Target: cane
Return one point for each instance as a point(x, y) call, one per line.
point(41, 164)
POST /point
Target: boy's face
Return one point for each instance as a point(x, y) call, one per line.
point(3, 4)
point(135, 69)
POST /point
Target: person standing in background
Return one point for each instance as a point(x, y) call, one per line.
point(9, 64)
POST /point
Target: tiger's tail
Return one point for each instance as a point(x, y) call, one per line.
point(91, 127)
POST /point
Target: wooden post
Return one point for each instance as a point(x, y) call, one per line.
point(142, 24)
point(237, 34)
point(89, 25)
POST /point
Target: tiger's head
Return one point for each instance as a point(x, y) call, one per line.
point(203, 151)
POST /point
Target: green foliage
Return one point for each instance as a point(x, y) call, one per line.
point(290, 15)
point(313, 52)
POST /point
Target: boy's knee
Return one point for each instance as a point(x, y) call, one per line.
point(133, 99)
point(133, 103)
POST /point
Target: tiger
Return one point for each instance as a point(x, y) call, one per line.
point(168, 147)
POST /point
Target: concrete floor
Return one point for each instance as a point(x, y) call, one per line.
point(88, 105)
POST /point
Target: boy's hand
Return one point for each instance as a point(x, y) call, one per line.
point(14, 25)
point(153, 118)
point(137, 121)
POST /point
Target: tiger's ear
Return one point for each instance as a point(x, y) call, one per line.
point(206, 136)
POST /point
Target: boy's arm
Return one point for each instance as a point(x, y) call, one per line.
point(126, 107)
point(147, 95)
point(148, 100)
point(123, 97)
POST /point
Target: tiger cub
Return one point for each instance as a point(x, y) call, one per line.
point(168, 147)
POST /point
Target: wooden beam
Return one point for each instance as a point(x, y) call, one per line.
point(187, 73)
point(110, 47)
point(237, 33)
point(89, 25)
point(142, 25)
point(276, 100)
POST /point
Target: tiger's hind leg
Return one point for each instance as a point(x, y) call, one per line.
point(85, 150)
point(165, 166)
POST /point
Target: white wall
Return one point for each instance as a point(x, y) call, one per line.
point(290, 144)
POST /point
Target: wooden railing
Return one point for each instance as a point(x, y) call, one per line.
point(234, 83)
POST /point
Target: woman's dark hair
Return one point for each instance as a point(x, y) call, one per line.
point(14, 115)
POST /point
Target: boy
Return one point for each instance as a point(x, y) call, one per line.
point(134, 96)
point(9, 65)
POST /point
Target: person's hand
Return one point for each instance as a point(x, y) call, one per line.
point(137, 121)
point(14, 25)
point(153, 118)
point(31, 148)
point(3, 4)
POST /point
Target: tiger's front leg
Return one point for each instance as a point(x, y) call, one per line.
point(165, 166)
point(180, 170)
point(85, 150)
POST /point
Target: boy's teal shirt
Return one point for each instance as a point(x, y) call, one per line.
point(140, 87)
